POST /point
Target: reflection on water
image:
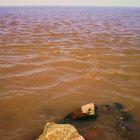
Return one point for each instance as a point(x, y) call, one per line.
point(54, 59)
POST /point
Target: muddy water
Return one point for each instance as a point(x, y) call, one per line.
point(54, 59)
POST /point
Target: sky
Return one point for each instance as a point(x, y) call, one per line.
point(72, 2)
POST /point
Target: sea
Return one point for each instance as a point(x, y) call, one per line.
point(55, 59)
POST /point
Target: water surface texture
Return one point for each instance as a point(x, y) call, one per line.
point(54, 59)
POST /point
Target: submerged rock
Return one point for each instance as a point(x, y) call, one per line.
point(54, 131)
point(122, 120)
point(102, 121)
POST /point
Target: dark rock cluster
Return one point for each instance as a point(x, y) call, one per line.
point(93, 122)
point(111, 122)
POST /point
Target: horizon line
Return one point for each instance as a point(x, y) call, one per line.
point(51, 5)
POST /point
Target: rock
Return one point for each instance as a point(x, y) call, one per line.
point(54, 131)
point(121, 118)
point(93, 122)
point(86, 111)
point(117, 106)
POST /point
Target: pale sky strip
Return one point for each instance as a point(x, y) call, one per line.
point(72, 2)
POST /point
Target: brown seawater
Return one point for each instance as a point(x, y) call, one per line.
point(54, 59)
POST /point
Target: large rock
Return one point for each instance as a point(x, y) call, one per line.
point(53, 131)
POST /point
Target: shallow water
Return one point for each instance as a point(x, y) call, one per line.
point(54, 59)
